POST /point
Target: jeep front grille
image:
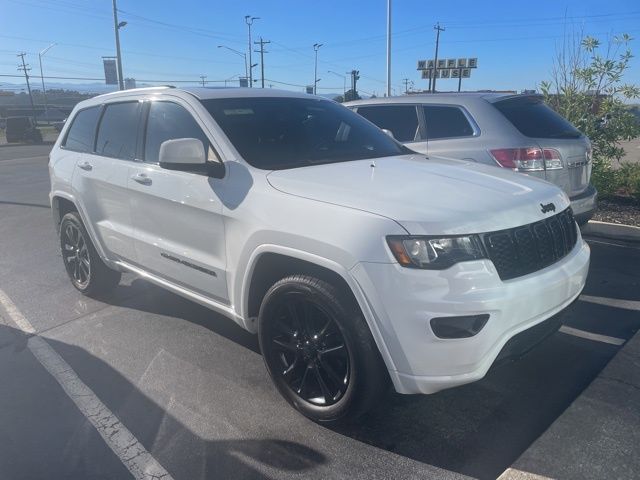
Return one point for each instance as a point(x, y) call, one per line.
point(522, 250)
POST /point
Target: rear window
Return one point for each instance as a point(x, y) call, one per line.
point(401, 120)
point(534, 119)
point(118, 131)
point(82, 132)
point(446, 122)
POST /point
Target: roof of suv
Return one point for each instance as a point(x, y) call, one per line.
point(203, 93)
point(490, 97)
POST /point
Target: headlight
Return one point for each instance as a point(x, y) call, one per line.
point(435, 253)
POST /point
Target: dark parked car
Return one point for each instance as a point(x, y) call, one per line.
point(22, 130)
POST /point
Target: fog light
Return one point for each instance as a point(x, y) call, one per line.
point(458, 327)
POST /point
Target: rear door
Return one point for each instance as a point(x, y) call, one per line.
point(401, 120)
point(451, 132)
point(178, 220)
point(567, 151)
point(102, 171)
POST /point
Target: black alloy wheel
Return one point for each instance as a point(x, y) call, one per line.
point(319, 350)
point(310, 350)
point(75, 254)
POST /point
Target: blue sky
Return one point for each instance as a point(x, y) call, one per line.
point(171, 40)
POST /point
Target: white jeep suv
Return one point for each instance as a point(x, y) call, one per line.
point(355, 260)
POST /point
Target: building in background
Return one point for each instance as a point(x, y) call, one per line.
point(129, 83)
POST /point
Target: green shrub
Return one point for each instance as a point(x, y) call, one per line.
point(604, 178)
point(628, 180)
point(587, 88)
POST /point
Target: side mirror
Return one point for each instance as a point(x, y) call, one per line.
point(188, 155)
point(388, 132)
point(182, 154)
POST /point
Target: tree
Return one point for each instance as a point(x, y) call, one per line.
point(587, 88)
point(351, 95)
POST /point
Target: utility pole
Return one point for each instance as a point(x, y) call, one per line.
point(355, 76)
point(25, 68)
point(438, 29)
point(202, 77)
point(262, 51)
point(117, 26)
point(316, 47)
point(406, 85)
point(249, 21)
point(388, 48)
point(44, 91)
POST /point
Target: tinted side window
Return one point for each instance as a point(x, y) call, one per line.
point(168, 121)
point(535, 119)
point(401, 120)
point(118, 130)
point(82, 132)
point(446, 122)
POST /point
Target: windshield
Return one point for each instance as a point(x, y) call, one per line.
point(534, 119)
point(276, 133)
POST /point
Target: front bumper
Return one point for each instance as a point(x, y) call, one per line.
point(584, 204)
point(403, 301)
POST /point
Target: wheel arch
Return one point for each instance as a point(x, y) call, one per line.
point(270, 263)
point(63, 203)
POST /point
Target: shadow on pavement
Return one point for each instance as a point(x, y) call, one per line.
point(44, 435)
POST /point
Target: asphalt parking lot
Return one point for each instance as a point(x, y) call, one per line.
point(191, 387)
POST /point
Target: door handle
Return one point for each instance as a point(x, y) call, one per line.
point(142, 179)
point(85, 166)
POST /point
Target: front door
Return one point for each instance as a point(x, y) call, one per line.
point(177, 215)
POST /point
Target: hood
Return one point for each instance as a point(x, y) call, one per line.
point(427, 196)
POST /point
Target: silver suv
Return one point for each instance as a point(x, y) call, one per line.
point(518, 132)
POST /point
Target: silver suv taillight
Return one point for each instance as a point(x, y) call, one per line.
point(527, 159)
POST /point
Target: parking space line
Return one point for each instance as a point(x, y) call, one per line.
point(16, 315)
point(515, 474)
point(591, 240)
point(596, 337)
point(118, 438)
point(612, 302)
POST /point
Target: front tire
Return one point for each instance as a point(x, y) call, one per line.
point(86, 270)
point(319, 351)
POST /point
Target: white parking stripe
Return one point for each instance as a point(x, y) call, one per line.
point(591, 240)
point(596, 337)
point(15, 314)
point(515, 474)
point(118, 438)
point(612, 302)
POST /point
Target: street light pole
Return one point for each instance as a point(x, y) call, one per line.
point(344, 82)
point(202, 78)
point(249, 21)
point(44, 91)
point(316, 47)
point(388, 48)
point(243, 55)
point(117, 26)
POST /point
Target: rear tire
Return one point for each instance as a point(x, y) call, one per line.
point(86, 270)
point(319, 351)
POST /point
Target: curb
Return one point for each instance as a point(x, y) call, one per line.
point(614, 231)
point(598, 435)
